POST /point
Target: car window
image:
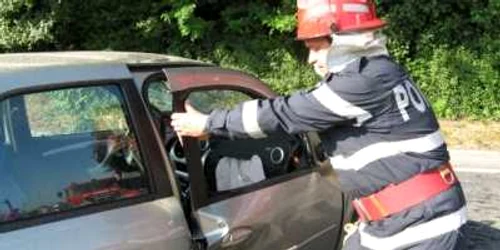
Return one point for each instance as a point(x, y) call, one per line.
point(230, 165)
point(72, 111)
point(159, 95)
point(206, 101)
point(72, 148)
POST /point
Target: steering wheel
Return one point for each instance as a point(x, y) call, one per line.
point(177, 155)
point(176, 151)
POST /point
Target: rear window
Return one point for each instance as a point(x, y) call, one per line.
point(72, 111)
point(66, 149)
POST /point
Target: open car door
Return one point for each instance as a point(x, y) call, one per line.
point(268, 193)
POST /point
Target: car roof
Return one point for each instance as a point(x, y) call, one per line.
point(44, 59)
point(21, 70)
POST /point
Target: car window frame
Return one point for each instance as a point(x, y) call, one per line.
point(155, 165)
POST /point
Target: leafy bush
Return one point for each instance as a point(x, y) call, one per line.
point(23, 26)
point(452, 50)
point(459, 83)
point(451, 47)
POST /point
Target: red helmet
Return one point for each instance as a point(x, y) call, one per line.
point(317, 18)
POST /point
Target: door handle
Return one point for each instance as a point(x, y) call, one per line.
point(236, 236)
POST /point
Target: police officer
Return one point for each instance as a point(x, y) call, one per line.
point(379, 130)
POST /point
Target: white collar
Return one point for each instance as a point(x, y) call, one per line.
point(346, 49)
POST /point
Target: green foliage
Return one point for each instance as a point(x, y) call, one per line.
point(451, 47)
point(23, 25)
point(459, 83)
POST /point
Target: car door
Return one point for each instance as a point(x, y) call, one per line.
point(278, 207)
point(81, 168)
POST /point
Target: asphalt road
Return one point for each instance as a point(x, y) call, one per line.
point(479, 173)
point(473, 161)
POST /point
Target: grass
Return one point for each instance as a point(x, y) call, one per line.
point(479, 135)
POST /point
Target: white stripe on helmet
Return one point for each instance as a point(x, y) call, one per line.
point(355, 7)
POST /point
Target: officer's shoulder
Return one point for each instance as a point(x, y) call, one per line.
point(367, 75)
point(381, 67)
point(349, 82)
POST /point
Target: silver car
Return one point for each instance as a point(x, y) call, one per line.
point(88, 160)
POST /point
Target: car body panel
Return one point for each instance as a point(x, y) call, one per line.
point(290, 215)
point(154, 225)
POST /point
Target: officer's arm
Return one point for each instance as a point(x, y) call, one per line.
point(316, 110)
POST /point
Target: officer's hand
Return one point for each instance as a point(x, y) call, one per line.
point(192, 123)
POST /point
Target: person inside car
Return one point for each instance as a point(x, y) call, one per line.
point(379, 131)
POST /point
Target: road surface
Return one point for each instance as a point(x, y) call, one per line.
point(479, 172)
